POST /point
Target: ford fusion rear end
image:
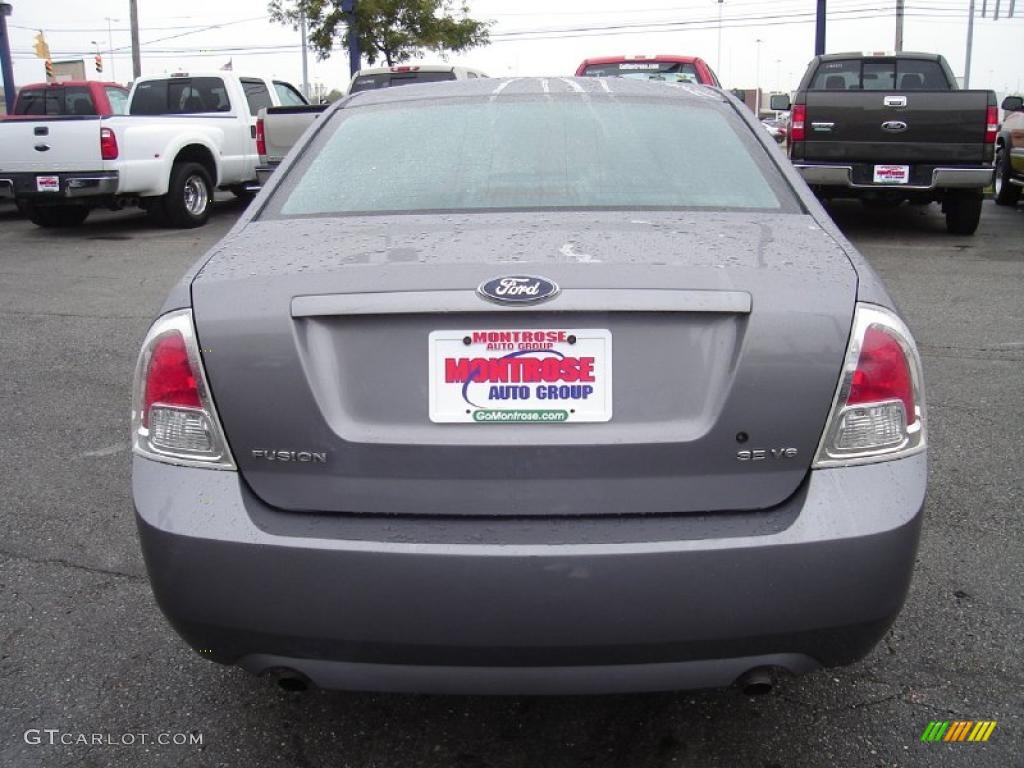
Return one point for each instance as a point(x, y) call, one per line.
point(540, 402)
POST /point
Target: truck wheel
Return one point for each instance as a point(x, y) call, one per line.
point(963, 212)
point(56, 216)
point(1006, 193)
point(187, 202)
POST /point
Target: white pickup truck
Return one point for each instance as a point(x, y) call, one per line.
point(184, 136)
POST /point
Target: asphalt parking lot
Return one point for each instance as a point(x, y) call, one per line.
point(84, 649)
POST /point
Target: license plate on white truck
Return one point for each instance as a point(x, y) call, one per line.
point(47, 183)
point(520, 376)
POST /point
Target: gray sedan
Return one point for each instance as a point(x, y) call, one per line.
point(531, 386)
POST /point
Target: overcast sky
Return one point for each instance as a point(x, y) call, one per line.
point(533, 37)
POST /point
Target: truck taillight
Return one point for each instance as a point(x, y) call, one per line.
point(173, 416)
point(878, 411)
point(261, 139)
point(797, 116)
point(108, 144)
point(991, 124)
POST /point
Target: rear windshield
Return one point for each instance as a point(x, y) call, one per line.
point(42, 101)
point(389, 79)
point(879, 75)
point(180, 96)
point(672, 71)
point(69, 100)
point(525, 153)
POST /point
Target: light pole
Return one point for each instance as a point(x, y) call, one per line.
point(110, 43)
point(757, 81)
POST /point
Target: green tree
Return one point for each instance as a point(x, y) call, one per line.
point(392, 30)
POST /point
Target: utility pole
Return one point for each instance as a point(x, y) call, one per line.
point(5, 57)
point(819, 30)
point(718, 59)
point(305, 61)
point(970, 32)
point(899, 25)
point(970, 44)
point(133, 6)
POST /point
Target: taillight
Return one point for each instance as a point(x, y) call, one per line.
point(169, 376)
point(797, 116)
point(878, 411)
point(173, 416)
point(991, 124)
point(261, 139)
point(108, 144)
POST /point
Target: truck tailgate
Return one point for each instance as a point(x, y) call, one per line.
point(50, 144)
point(896, 126)
point(284, 126)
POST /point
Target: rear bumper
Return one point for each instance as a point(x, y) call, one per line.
point(72, 185)
point(829, 175)
point(264, 172)
point(692, 603)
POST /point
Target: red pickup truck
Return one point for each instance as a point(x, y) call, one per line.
point(71, 97)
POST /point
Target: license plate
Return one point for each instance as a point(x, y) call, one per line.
point(520, 376)
point(47, 183)
point(892, 174)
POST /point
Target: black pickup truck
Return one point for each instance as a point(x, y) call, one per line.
point(890, 128)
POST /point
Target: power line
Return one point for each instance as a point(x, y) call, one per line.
point(709, 23)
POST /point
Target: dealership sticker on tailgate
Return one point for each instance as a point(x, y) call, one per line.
point(520, 376)
point(47, 183)
point(892, 174)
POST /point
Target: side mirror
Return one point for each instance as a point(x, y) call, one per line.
point(1013, 104)
point(780, 102)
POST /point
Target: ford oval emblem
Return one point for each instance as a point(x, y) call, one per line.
point(518, 289)
point(894, 126)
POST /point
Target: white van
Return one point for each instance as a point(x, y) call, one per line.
point(408, 74)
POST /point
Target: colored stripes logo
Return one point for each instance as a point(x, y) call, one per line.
point(958, 730)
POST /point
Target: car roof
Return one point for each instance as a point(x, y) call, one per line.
point(641, 57)
point(863, 55)
point(73, 83)
point(503, 87)
point(222, 74)
point(404, 68)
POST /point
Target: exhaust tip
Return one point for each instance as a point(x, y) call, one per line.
point(757, 681)
point(289, 679)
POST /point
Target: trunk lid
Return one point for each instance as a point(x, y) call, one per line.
point(71, 144)
point(315, 337)
point(940, 126)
